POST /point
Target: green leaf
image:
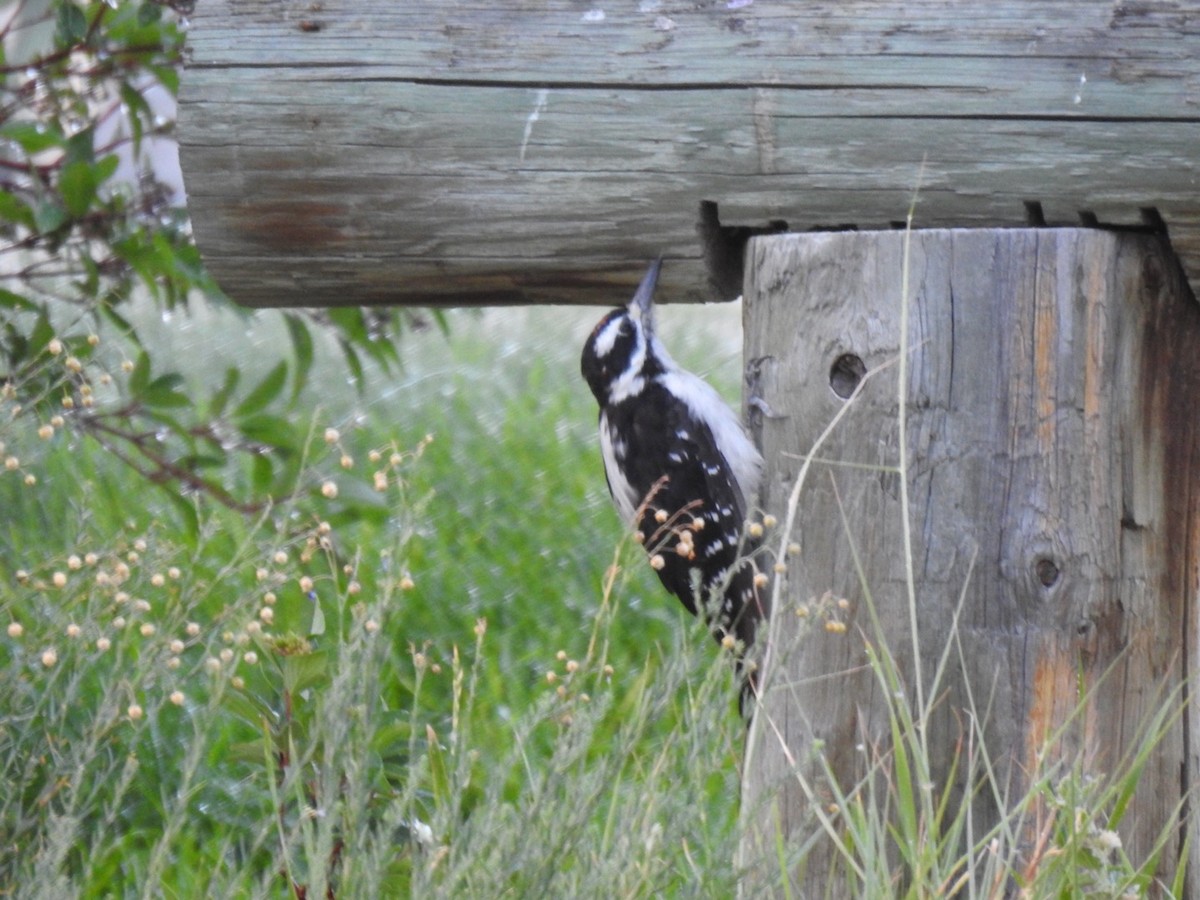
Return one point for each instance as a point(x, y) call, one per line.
point(77, 184)
point(41, 334)
point(250, 708)
point(317, 627)
point(262, 395)
point(262, 474)
point(139, 378)
point(302, 346)
point(354, 363)
point(168, 77)
point(72, 24)
point(15, 301)
point(14, 209)
point(33, 137)
point(220, 399)
point(304, 670)
point(188, 517)
point(123, 325)
point(163, 392)
point(139, 111)
point(105, 167)
point(270, 431)
point(197, 461)
point(49, 216)
point(81, 146)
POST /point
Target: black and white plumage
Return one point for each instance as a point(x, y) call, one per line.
point(680, 469)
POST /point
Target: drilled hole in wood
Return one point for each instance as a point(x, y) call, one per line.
point(1047, 572)
point(845, 374)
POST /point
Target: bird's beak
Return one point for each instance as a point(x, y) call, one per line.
point(643, 298)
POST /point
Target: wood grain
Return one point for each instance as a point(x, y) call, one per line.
point(1053, 433)
point(511, 152)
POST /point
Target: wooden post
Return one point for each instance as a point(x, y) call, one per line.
point(1053, 440)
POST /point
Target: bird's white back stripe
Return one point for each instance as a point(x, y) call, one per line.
point(623, 494)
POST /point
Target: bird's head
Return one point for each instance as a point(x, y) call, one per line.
point(615, 355)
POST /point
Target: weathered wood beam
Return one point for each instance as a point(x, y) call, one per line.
point(374, 152)
point(1053, 438)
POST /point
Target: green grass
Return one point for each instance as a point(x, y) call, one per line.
point(467, 685)
point(401, 715)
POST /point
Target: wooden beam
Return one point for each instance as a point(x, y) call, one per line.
point(374, 152)
point(1053, 439)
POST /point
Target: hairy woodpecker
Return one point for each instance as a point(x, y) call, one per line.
point(681, 472)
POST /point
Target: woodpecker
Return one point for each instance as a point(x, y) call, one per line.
point(681, 470)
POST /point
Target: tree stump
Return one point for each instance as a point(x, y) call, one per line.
point(1053, 449)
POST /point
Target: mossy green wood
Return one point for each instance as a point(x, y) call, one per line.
point(506, 152)
point(1053, 441)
